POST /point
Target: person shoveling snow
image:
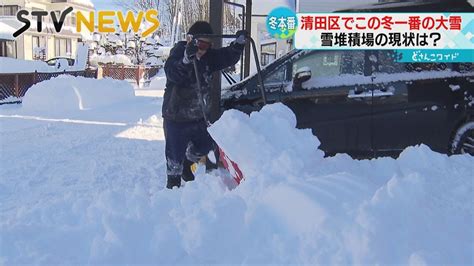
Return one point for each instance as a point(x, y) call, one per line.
point(184, 123)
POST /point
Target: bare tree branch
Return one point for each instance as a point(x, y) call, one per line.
point(191, 11)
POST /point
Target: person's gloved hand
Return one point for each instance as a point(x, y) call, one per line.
point(190, 51)
point(241, 37)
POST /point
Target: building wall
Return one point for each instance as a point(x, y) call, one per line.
point(50, 48)
point(27, 45)
point(20, 47)
point(25, 41)
point(74, 47)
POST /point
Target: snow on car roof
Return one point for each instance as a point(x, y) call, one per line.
point(351, 79)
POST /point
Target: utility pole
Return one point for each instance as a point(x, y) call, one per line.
point(248, 28)
point(216, 9)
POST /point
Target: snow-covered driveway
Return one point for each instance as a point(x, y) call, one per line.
point(55, 156)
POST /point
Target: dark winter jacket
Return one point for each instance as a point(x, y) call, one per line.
point(181, 102)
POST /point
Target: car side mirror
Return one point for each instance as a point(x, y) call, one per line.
point(303, 74)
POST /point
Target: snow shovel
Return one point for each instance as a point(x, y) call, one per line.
point(222, 157)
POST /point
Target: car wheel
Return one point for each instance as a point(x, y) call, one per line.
point(463, 140)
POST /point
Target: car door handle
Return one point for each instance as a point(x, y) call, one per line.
point(364, 94)
point(369, 94)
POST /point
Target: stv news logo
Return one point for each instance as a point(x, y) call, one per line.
point(105, 20)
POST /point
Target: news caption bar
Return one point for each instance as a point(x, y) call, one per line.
point(418, 37)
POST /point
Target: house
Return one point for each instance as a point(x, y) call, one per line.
point(33, 45)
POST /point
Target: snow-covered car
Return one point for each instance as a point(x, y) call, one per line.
point(366, 104)
point(53, 61)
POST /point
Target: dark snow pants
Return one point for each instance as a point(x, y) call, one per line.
point(185, 140)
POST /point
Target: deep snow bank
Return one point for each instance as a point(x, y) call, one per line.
point(416, 209)
point(294, 207)
point(67, 93)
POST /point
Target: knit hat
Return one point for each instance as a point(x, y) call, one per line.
point(200, 27)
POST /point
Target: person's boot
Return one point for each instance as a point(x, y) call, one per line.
point(173, 181)
point(187, 171)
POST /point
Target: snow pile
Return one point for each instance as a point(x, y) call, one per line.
point(158, 82)
point(66, 93)
point(95, 60)
point(153, 61)
point(82, 53)
point(165, 51)
point(61, 64)
point(86, 196)
point(416, 209)
point(12, 65)
point(352, 79)
point(271, 143)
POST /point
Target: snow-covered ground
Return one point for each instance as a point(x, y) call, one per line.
point(82, 183)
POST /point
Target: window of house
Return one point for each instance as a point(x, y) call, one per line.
point(62, 47)
point(7, 49)
point(9, 10)
point(3, 51)
point(39, 47)
point(35, 46)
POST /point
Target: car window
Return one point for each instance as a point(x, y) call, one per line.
point(465, 67)
point(277, 77)
point(52, 62)
point(386, 63)
point(332, 69)
point(331, 63)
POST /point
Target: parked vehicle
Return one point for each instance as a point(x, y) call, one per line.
point(53, 61)
point(366, 104)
